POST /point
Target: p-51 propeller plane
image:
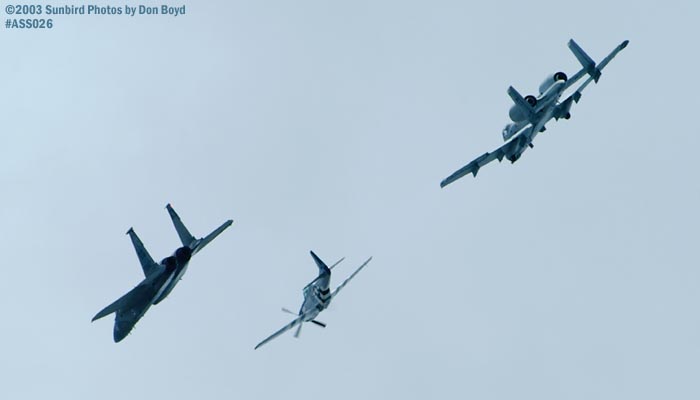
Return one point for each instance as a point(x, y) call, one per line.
point(317, 297)
point(160, 278)
point(530, 114)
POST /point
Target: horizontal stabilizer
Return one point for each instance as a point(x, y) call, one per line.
point(203, 242)
point(612, 55)
point(577, 95)
point(585, 60)
point(336, 263)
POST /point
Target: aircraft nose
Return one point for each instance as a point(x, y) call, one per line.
point(121, 330)
point(119, 334)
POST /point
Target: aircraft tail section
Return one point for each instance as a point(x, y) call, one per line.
point(586, 61)
point(204, 241)
point(147, 263)
point(322, 267)
point(595, 70)
point(185, 236)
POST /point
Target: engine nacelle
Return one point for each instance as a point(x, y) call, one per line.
point(183, 254)
point(169, 263)
point(549, 81)
point(517, 114)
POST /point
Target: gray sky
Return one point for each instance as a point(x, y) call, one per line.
point(328, 126)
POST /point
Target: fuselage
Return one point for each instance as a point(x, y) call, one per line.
point(544, 111)
point(178, 262)
point(137, 302)
point(317, 296)
point(150, 291)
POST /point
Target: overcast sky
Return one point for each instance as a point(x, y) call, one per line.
point(571, 274)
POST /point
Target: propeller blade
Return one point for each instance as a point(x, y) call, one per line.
point(296, 334)
point(321, 324)
point(288, 311)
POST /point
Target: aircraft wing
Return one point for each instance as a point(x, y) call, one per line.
point(498, 154)
point(139, 293)
point(199, 244)
point(342, 285)
point(473, 167)
point(284, 329)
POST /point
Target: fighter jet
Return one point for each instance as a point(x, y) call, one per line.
point(317, 297)
point(160, 279)
point(530, 114)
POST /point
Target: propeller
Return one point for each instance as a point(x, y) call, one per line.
point(296, 334)
point(321, 324)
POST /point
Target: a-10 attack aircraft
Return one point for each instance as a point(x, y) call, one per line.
point(530, 114)
point(161, 277)
point(317, 297)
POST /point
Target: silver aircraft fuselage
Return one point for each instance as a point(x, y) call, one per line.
point(317, 296)
point(544, 112)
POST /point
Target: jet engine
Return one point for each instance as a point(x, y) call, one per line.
point(516, 114)
point(169, 263)
point(549, 81)
point(183, 254)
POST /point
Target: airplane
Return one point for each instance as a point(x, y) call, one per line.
point(160, 278)
point(530, 114)
point(317, 297)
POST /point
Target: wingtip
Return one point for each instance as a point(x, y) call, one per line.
point(131, 230)
point(98, 316)
point(624, 44)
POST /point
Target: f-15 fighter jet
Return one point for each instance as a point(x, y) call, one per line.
point(317, 297)
point(160, 279)
point(530, 114)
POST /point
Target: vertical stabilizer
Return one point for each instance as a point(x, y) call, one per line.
point(586, 61)
point(147, 263)
point(185, 236)
point(322, 267)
